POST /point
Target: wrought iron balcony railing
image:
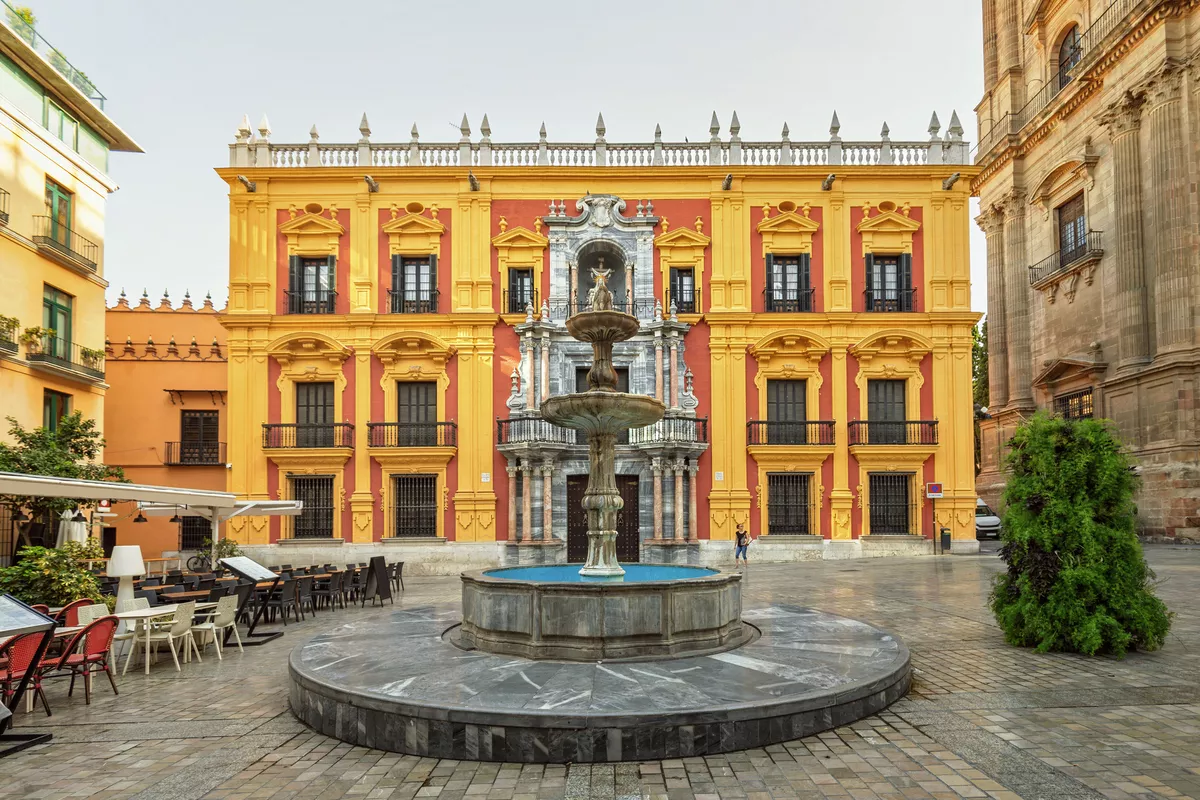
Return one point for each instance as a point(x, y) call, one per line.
point(794, 301)
point(685, 302)
point(296, 435)
point(311, 301)
point(672, 430)
point(884, 300)
point(534, 430)
point(8, 335)
point(642, 308)
point(809, 432)
point(519, 302)
point(4, 198)
point(412, 434)
point(408, 302)
point(51, 235)
point(1090, 248)
point(906, 432)
point(194, 454)
point(67, 355)
point(51, 54)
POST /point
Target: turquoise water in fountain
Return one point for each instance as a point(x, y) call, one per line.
point(569, 573)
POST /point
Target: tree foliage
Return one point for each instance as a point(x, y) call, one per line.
point(1076, 578)
point(979, 364)
point(54, 576)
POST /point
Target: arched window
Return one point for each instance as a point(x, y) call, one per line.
point(1069, 53)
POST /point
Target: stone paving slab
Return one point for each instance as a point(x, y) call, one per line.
point(982, 719)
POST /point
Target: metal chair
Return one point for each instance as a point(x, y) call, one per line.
point(93, 643)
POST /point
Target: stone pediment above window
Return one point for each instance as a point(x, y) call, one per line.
point(519, 246)
point(426, 352)
point(891, 230)
point(682, 245)
point(789, 232)
point(414, 233)
point(1070, 371)
point(779, 350)
point(892, 346)
point(311, 233)
point(308, 347)
point(1066, 178)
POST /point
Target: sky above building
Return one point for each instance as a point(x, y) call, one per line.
point(179, 77)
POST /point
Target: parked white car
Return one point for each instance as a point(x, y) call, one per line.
point(987, 524)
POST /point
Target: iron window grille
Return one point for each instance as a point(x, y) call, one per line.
point(1069, 54)
point(316, 517)
point(789, 503)
point(192, 533)
point(1072, 230)
point(415, 505)
point(1075, 405)
point(520, 294)
point(682, 290)
point(891, 508)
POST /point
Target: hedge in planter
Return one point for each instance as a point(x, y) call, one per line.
point(1076, 577)
point(54, 576)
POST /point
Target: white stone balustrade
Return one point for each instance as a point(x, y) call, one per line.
point(250, 150)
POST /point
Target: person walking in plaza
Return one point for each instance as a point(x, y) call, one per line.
point(742, 546)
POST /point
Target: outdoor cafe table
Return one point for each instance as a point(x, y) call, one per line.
point(145, 616)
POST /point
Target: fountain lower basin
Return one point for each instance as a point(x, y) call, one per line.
point(654, 611)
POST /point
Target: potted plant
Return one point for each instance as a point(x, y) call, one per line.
point(8, 331)
point(34, 338)
point(91, 357)
point(22, 20)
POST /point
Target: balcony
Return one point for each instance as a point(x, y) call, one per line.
point(533, 430)
point(888, 300)
point(1084, 254)
point(672, 430)
point(59, 243)
point(910, 432)
point(65, 355)
point(788, 302)
point(290, 436)
point(4, 198)
point(518, 302)
point(814, 432)
point(51, 54)
point(8, 333)
point(642, 308)
point(194, 454)
point(420, 302)
point(311, 301)
point(685, 302)
point(412, 434)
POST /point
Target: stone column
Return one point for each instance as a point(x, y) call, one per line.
point(992, 222)
point(545, 367)
point(547, 492)
point(693, 515)
point(678, 532)
point(990, 65)
point(570, 287)
point(1124, 121)
point(674, 372)
point(527, 364)
point(1168, 176)
point(512, 503)
point(1008, 23)
point(1016, 303)
point(658, 367)
point(656, 466)
point(526, 501)
point(629, 287)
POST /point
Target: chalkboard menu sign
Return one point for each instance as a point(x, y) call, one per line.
point(249, 569)
point(378, 584)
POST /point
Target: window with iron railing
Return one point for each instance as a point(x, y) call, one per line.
point(414, 285)
point(682, 290)
point(1071, 217)
point(312, 285)
point(789, 283)
point(1069, 54)
point(1075, 405)
point(889, 283)
point(520, 294)
point(192, 533)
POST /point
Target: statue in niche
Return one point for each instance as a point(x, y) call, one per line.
point(600, 298)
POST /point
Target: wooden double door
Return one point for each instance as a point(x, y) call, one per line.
point(628, 535)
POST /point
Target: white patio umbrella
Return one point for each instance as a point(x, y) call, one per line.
point(69, 530)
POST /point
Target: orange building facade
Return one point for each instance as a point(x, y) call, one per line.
point(165, 419)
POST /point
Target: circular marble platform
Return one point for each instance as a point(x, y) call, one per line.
point(397, 684)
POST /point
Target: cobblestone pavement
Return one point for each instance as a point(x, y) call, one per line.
point(982, 719)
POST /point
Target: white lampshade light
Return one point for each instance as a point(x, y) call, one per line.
point(124, 563)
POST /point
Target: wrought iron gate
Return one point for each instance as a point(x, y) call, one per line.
point(316, 518)
point(891, 503)
point(788, 502)
point(415, 504)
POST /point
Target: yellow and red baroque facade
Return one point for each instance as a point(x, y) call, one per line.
point(806, 318)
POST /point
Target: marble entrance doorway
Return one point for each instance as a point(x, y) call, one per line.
point(628, 533)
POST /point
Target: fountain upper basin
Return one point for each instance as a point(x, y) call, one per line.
point(600, 411)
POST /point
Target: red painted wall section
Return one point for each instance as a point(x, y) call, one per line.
point(518, 214)
point(696, 348)
point(758, 262)
point(507, 357)
point(385, 260)
point(348, 471)
point(852, 475)
point(342, 302)
point(858, 275)
point(680, 214)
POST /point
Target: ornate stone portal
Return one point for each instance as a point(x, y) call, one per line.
point(602, 412)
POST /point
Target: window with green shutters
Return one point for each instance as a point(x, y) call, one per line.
point(414, 285)
point(312, 285)
point(59, 207)
point(56, 316)
point(55, 406)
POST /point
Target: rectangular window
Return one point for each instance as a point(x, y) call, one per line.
point(787, 401)
point(1075, 406)
point(1072, 230)
point(889, 283)
point(414, 285)
point(415, 504)
point(520, 290)
point(788, 503)
point(56, 316)
point(59, 208)
point(891, 509)
point(192, 533)
point(55, 406)
point(314, 415)
point(199, 437)
point(886, 411)
point(312, 285)
point(789, 283)
point(316, 518)
point(62, 125)
point(417, 414)
point(683, 290)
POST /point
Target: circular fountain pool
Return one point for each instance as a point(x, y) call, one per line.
point(552, 612)
point(569, 573)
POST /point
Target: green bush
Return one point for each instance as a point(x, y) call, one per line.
point(1076, 577)
point(226, 548)
point(54, 576)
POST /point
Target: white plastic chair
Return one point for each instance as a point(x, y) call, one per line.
point(224, 618)
point(128, 630)
point(89, 614)
point(181, 630)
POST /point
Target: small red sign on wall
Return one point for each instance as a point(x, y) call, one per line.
point(933, 491)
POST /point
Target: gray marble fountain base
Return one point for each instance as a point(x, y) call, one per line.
point(397, 684)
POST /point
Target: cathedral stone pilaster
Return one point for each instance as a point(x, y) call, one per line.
point(1017, 304)
point(992, 223)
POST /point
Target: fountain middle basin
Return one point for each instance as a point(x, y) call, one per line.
point(653, 611)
